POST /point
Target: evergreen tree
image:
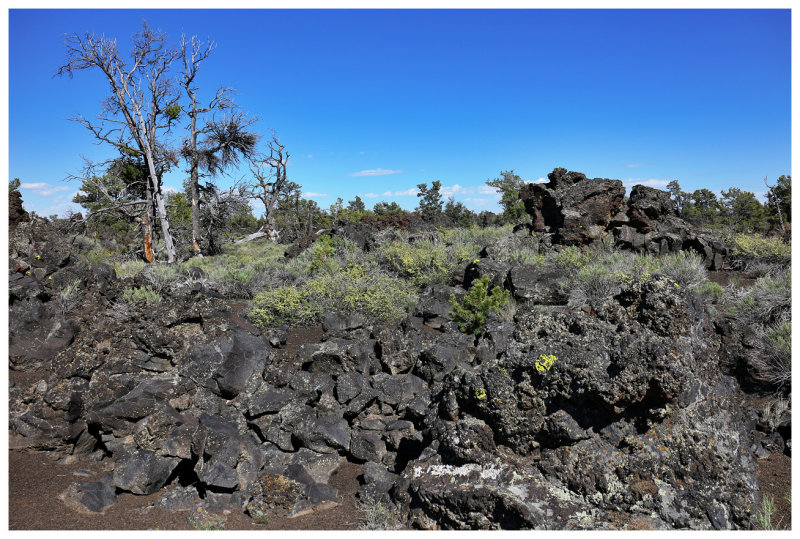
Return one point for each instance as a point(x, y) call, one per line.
point(430, 201)
point(458, 213)
point(383, 208)
point(509, 185)
point(742, 210)
point(356, 205)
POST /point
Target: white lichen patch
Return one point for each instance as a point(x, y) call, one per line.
point(439, 470)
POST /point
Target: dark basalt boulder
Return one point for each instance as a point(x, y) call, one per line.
point(497, 272)
point(647, 207)
point(141, 471)
point(91, 497)
point(535, 285)
point(38, 336)
point(226, 458)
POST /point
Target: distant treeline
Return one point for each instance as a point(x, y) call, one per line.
point(735, 208)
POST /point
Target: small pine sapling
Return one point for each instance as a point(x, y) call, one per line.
point(470, 314)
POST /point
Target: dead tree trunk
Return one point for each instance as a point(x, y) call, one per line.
point(777, 203)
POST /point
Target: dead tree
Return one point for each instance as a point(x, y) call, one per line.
point(219, 207)
point(213, 144)
point(139, 110)
point(773, 199)
point(271, 181)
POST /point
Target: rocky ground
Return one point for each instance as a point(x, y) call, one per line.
point(622, 414)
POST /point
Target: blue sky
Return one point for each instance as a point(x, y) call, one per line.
point(374, 102)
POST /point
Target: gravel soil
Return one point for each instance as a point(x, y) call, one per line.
point(36, 479)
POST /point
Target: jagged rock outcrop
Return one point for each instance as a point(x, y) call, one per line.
point(16, 213)
point(575, 210)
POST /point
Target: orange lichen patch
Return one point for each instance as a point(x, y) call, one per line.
point(274, 491)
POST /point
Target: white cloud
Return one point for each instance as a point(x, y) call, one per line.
point(457, 190)
point(480, 202)
point(540, 180)
point(43, 189)
point(309, 194)
point(62, 208)
point(169, 189)
point(650, 182)
point(310, 156)
point(635, 165)
point(389, 194)
point(488, 190)
point(375, 172)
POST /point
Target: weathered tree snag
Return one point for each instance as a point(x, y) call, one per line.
point(136, 111)
point(269, 172)
point(223, 141)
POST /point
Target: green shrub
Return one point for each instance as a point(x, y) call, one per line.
point(239, 282)
point(379, 516)
point(763, 516)
point(322, 256)
point(285, 304)
point(99, 255)
point(67, 297)
point(644, 266)
point(143, 294)
point(475, 236)
point(593, 283)
point(422, 263)
point(600, 278)
point(521, 255)
point(165, 273)
point(711, 291)
point(570, 258)
point(685, 268)
point(758, 246)
point(773, 363)
point(355, 288)
point(129, 268)
point(470, 313)
point(767, 302)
